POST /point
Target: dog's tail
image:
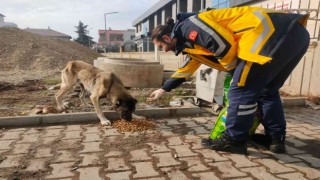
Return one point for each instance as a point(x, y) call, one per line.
point(70, 68)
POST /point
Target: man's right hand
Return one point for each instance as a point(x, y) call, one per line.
point(156, 94)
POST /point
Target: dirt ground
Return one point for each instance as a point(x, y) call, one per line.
point(31, 96)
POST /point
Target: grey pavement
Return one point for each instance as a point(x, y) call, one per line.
point(171, 151)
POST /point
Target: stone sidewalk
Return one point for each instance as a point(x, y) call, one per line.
point(172, 151)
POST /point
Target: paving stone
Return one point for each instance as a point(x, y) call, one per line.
point(162, 126)
point(113, 154)
point(206, 176)
point(72, 135)
point(304, 130)
point(301, 136)
point(17, 129)
point(21, 148)
point(11, 135)
point(94, 129)
point(292, 150)
point(139, 155)
point(254, 153)
point(174, 174)
point(201, 130)
point(166, 160)
point(172, 122)
point(240, 160)
point(274, 166)
point(49, 140)
point(125, 175)
point(310, 126)
point(68, 144)
point(37, 164)
point(89, 173)
point(144, 170)
point(92, 137)
point(111, 132)
point(201, 120)
point(259, 173)
point(43, 152)
point(5, 144)
point(73, 128)
point(284, 158)
point(296, 142)
point(194, 164)
point(195, 143)
point(315, 162)
point(292, 176)
point(191, 124)
point(53, 133)
point(117, 164)
point(167, 133)
point(64, 156)
point(11, 161)
point(211, 155)
point(34, 131)
point(91, 147)
point(90, 159)
point(158, 148)
point(228, 171)
point(174, 141)
point(61, 170)
point(311, 173)
point(30, 138)
point(55, 127)
point(183, 151)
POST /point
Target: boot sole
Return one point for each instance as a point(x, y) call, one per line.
point(231, 149)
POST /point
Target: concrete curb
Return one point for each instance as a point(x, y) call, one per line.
point(90, 117)
point(293, 101)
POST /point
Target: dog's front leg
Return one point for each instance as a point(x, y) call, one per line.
point(95, 101)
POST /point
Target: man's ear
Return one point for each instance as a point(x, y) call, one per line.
point(166, 38)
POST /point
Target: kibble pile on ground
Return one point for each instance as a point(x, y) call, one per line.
point(136, 125)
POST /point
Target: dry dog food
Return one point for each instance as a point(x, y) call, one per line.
point(134, 125)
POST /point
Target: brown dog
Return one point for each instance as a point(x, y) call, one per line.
point(100, 84)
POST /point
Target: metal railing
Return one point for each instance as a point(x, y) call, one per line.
point(302, 7)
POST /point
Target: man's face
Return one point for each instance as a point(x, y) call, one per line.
point(166, 43)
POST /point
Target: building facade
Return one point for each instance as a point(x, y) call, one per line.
point(158, 14)
point(111, 40)
point(6, 24)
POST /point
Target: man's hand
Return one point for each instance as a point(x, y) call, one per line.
point(156, 94)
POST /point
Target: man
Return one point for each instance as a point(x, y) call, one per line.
point(259, 47)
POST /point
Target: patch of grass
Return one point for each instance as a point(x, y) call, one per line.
point(52, 81)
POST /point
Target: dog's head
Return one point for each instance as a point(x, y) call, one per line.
point(125, 106)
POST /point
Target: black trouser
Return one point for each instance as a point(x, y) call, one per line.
point(262, 87)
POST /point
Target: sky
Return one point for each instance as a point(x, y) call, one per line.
point(64, 15)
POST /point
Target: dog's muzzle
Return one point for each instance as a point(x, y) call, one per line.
point(126, 116)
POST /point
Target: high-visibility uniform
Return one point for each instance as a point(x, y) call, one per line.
point(251, 43)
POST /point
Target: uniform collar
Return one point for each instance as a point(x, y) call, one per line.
point(177, 34)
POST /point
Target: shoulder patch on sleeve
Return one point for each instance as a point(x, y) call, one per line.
point(193, 35)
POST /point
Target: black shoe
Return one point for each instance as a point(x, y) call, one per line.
point(273, 143)
point(225, 143)
point(277, 145)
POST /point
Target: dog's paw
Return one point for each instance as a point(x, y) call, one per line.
point(105, 122)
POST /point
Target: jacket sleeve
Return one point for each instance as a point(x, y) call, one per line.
point(182, 74)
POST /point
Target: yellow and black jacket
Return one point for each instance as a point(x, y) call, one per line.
point(219, 38)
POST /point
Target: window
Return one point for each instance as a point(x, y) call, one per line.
point(217, 4)
point(116, 37)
